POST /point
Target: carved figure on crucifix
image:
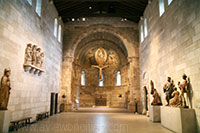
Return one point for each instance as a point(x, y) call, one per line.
point(100, 57)
point(100, 71)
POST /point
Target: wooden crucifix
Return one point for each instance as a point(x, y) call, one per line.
point(100, 70)
point(100, 57)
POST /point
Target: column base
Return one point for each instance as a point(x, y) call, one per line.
point(132, 107)
point(68, 107)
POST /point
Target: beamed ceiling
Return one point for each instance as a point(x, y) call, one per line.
point(126, 9)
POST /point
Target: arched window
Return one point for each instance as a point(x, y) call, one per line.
point(30, 2)
point(101, 81)
point(161, 7)
point(55, 27)
point(59, 33)
point(145, 28)
point(83, 78)
point(38, 8)
point(118, 83)
point(169, 2)
point(141, 33)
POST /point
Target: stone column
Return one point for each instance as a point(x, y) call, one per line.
point(66, 82)
point(133, 76)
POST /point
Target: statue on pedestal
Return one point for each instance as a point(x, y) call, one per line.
point(5, 89)
point(168, 89)
point(175, 101)
point(156, 97)
point(185, 91)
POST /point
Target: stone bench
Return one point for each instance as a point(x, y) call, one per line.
point(42, 115)
point(24, 121)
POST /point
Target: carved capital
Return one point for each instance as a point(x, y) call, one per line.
point(68, 59)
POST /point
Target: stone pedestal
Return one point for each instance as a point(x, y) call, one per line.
point(154, 113)
point(4, 120)
point(132, 107)
point(179, 120)
point(68, 107)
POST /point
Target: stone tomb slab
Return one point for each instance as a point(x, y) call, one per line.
point(154, 113)
point(179, 120)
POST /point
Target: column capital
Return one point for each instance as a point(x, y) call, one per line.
point(68, 59)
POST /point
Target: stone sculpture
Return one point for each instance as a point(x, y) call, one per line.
point(5, 89)
point(28, 54)
point(145, 103)
point(168, 89)
point(34, 59)
point(156, 97)
point(185, 91)
point(38, 57)
point(34, 54)
point(175, 101)
point(41, 59)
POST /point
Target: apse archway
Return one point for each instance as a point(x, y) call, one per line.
point(91, 94)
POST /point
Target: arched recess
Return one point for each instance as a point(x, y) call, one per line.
point(114, 38)
point(92, 94)
point(131, 46)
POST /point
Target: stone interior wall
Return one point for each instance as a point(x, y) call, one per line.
point(20, 25)
point(78, 33)
point(172, 47)
point(110, 91)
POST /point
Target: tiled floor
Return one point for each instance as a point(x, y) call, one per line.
point(81, 122)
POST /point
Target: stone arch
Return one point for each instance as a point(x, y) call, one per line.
point(129, 45)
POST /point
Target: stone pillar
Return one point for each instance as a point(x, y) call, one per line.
point(66, 82)
point(133, 76)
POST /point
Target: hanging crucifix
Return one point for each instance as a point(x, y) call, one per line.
point(100, 57)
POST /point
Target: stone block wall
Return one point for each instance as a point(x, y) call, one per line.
point(20, 25)
point(172, 46)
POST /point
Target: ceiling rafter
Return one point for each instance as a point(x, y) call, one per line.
point(131, 9)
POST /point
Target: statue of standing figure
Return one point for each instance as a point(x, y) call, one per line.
point(38, 57)
point(34, 55)
point(28, 54)
point(5, 89)
point(156, 97)
point(185, 91)
point(145, 103)
point(168, 89)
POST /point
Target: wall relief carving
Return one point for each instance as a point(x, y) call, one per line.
point(34, 59)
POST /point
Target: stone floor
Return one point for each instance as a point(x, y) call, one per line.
point(81, 122)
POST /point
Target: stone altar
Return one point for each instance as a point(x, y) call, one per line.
point(154, 112)
point(179, 119)
point(4, 120)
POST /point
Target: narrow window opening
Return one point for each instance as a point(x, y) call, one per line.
point(38, 7)
point(55, 27)
point(83, 78)
point(59, 33)
point(141, 34)
point(145, 28)
point(101, 81)
point(118, 79)
point(30, 2)
point(161, 7)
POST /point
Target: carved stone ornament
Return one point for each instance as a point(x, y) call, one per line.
point(34, 59)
